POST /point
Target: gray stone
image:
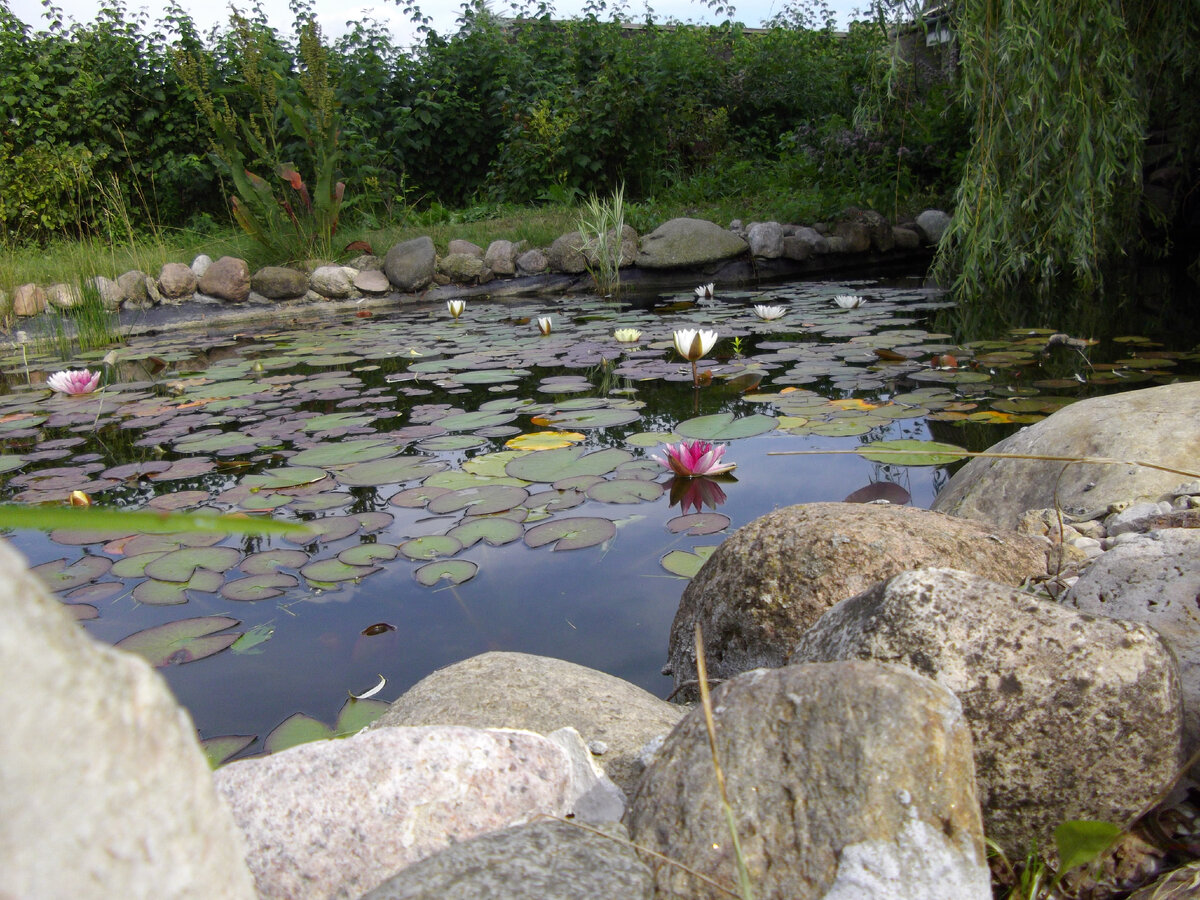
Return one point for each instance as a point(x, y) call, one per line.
point(1131, 517)
point(548, 860)
point(226, 279)
point(815, 239)
point(279, 282)
point(772, 579)
point(465, 247)
point(104, 791)
point(337, 818)
point(594, 797)
point(410, 265)
point(333, 282)
point(132, 285)
point(905, 238)
point(765, 239)
point(372, 281)
point(152, 290)
point(685, 242)
point(835, 243)
point(1073, 716)
point(566, 254)
point(1153, 578)
point(501, 257)
point(200, 265)
point(932, 224)
point(532, 262)
point(28, 300)
point(63, 296)
point(855, 235)
point(461, 268)
point(846, 780)
point(1158, 424)
point(517, 690)
point(176, 281)
point(795, 247)
point(108, 291)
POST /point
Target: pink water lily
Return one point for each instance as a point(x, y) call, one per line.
point(691, 459)
point(696, 493)
point(73, 381)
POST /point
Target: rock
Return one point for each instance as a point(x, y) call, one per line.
point(595, 799)
point(366, 262)
point(518, 690)
point(28, 300)
point(1131, 518)
point(765, 239)
point(846, 780)
point(333, 282)
point(152, 292)
point(566, 254)
point(1073, 716)
point(63, 296)
point(629, 246)
point(279, 282)
point(372, 281)
point(856, 237)
point(461, 268)
point(688, 242)
point(501, 257)
point(124, 805)
point(835, 243)
point(336, 818)
point(226, 279)
point(547, 860)
point(532, 262)
point(865, 229)
point(410, 265)
point(818, 242)
point(1157, 424)
point(465, 247)
point(772, 579)
point(108, 291)
point(176, 281)
point(200, 265)
point(932, 224)
point(132, 285)
point(905, 238)
point(796, 248)
point(1155, 579)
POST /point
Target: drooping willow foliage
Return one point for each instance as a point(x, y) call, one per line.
point(1062, 95)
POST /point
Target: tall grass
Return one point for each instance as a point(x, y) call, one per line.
point(600, 228)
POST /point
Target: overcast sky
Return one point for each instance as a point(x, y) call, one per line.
point(333, 14)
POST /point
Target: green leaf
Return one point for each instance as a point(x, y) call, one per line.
point(684, 564)
point(1081, 841)
point(252, 640)
point(553, 465)
point(182, 641)
point(911, 452)
point(259, 587)
point(455, 571)
point(725, 427)
point(344, 453)
point(571, 533)
point(296, 729)
point(98, 519)
point(356, 715)
point(220, 749)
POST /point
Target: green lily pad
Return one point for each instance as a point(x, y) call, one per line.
point(267, 561)
point(294, 730)
point(355, 715)
point(330, 528)
point(685, 564)
point(99, 592)
point(252, 641)
point(726, 427)
point(172, 593)
point(595, 418)
point(475, 420)
point(624, 490)
point(180, 565)
point(335, 421)
point(344, 453)
point(912, 452)
point(491, 530)
point(451, 442)
point(368, 554)
point(135, 566)
point(181, 641)
point(430, 546)
point(571, 533)
point(489, 376)
point(286, 477)
point(393, 470)
point(334, 570)
point(698, 523)
point(651, 438)
point(219, 750)
point(453, 571)
point(480, 501)
point(10, 462)
point(549, 466)
point(61, 576)
point(416, 497)
point(259, 587)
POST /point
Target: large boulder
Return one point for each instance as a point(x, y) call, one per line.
point(772, 579)
point(1073, 716)
point(176, 281)
point(228, 278)
point(680, 243)
point(132, 285)
point(1153, 578)
point(461, 268)
point(501, 257)
point(337, 818)
point(537, 693)
point(104, 791)
point(1160, 425)
point(29, 300)
point(765, 239)
point(410, 265)
point(932, 224)
point(279, 282)
point(334, 282)
point(849, 780)
point(566, 254)
point(549, 860)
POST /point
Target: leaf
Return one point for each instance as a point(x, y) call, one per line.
point(911, 452)
point(334, 570)
point(259, 587)
point(121, 523)
point(393, 470)
point(370, 692)
point(544, 440)
point(344, 453)
point(624, 490)
point(571, 533)
point(169, 593)
point(296, 729)
point(355, 715)
point(58, 576)
point(219, 750)
point(252, 640)
point(455, 571)
point(430, 546)
point(553, 465)
point(725, 427)
point(180, 565)
point(181, 641)
point(684, 564)
point(1081, 841)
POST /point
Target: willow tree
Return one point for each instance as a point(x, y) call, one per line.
point(1062, 94)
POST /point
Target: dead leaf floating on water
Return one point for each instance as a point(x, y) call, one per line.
point(369, 693)
point(378, 628)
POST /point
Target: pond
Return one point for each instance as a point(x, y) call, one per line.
point(473, 484)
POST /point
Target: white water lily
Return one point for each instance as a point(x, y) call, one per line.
point(694, 343)
point(456, 307)
point(848, 301)
point(705, 291)
point(544, 324)
point(768, 313)
point(627, 335)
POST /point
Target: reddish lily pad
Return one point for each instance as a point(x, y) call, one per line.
point(58, 575)
point(172, 593)
point(81, 612)
point(99, 592)
point(698, 523)
point(571, 533)
point(180, 565)
point(258, 587)
point(453, 571)
point(181, 641)
point(880, 490)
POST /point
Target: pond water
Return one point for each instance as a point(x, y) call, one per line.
point(404, 437)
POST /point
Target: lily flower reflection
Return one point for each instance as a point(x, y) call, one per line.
point(73, 381)
point(692, 459)
point(545, 324)
point(768, 313)
point(705, 291)
point(456, 307)
point(697, 493)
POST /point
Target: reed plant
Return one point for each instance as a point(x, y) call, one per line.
point(601, 224)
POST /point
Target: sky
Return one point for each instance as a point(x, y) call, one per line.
point(332, 15)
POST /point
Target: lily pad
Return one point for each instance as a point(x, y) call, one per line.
point(393, 470)
point(286, 477)
point(368, 554)
point(181, 641)
point(334, 570)
point(550, 466)
point(491, 530)
point(355, 715)
point(625, 490)
point(726, 427)
point(698, 523)
point(180, 565)
point(685, 564)
point(219, 750)
point(453, 571)
point(474, 420)
point(571, 533)
point(61, 576)
point(294, 730)
point(912, 452)
point(251, 642)
point(480, 501)
point(259, 587)
point(344, 453)
point(544, 440)
point(594, 418)
point(267, 561)
point(430, 546)
point(172, 593)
